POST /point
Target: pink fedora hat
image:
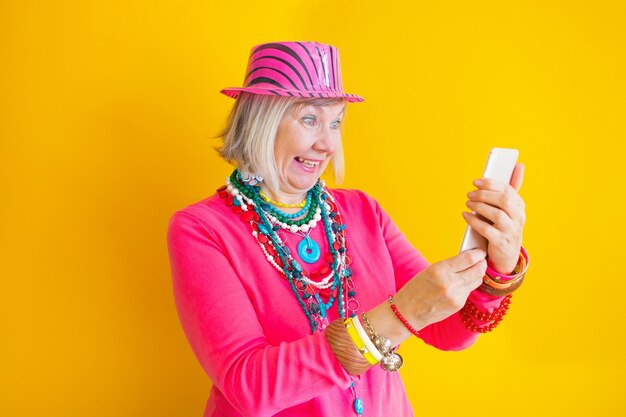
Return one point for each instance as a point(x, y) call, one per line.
point(297, 69)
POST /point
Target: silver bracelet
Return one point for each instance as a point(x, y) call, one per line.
point(391, 361)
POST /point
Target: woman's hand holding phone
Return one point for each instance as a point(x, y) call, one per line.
point(503, 217)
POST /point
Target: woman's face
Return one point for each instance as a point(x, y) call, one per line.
point(306, 140)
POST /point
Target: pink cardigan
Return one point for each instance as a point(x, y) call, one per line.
point(247, 330)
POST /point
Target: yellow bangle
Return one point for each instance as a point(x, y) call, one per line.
point(369, 344)
point(358, 342)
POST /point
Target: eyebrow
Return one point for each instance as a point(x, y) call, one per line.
point(317, 108)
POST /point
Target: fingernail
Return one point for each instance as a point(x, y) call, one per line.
point(478, 183)
point(470, 194)
point(465, 214)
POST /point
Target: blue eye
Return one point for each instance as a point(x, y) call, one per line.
point(335, 124)
point(309, 120)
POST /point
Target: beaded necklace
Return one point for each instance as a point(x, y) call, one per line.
point(333, 282)
point(283, 205)
point(336, 283)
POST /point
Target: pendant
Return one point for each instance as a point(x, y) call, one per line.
point(309, 250)
point(358, 406)
point(358, 402)
point(316, 306)
point(322, 307)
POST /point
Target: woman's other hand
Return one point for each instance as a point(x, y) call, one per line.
point(442, 288)
point(500, 217)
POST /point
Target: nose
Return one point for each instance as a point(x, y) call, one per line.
point(327, 140)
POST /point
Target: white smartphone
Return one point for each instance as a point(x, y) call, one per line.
point(500, 166)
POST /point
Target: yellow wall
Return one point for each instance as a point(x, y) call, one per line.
point(106, 109)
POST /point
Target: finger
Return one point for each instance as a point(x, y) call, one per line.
point(482, 227)
point(490, 184)
point(465, 259)
point(509, 201)
point(498, 218)
point(473, 276)
point(518, 176)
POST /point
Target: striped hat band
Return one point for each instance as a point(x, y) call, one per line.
point(296, 69)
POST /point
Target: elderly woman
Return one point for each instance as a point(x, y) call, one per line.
point(293, 296)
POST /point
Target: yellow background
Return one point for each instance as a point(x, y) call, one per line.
point(106, 112)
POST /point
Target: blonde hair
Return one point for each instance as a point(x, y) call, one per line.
point(250, 133)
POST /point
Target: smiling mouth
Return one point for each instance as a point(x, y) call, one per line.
point(307, 163)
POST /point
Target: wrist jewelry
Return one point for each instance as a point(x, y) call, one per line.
point(499, 285)
point(390, 361)
point(502, 285)
point(358, 341)
point(344, 349)
point(366, 339)
point(470, 311)
point(522, 265)
point(487, 288)
point(401, 317)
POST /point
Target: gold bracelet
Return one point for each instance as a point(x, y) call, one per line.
point(391, 361)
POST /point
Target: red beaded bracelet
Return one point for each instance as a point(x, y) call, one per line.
point(470, 311)
point(401, 317)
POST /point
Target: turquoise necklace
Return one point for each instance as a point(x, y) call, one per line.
point(308, 249)
point(316, 292)
point(336, 283)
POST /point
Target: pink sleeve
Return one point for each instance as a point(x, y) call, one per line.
point(450, 333)
point(258, 379)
